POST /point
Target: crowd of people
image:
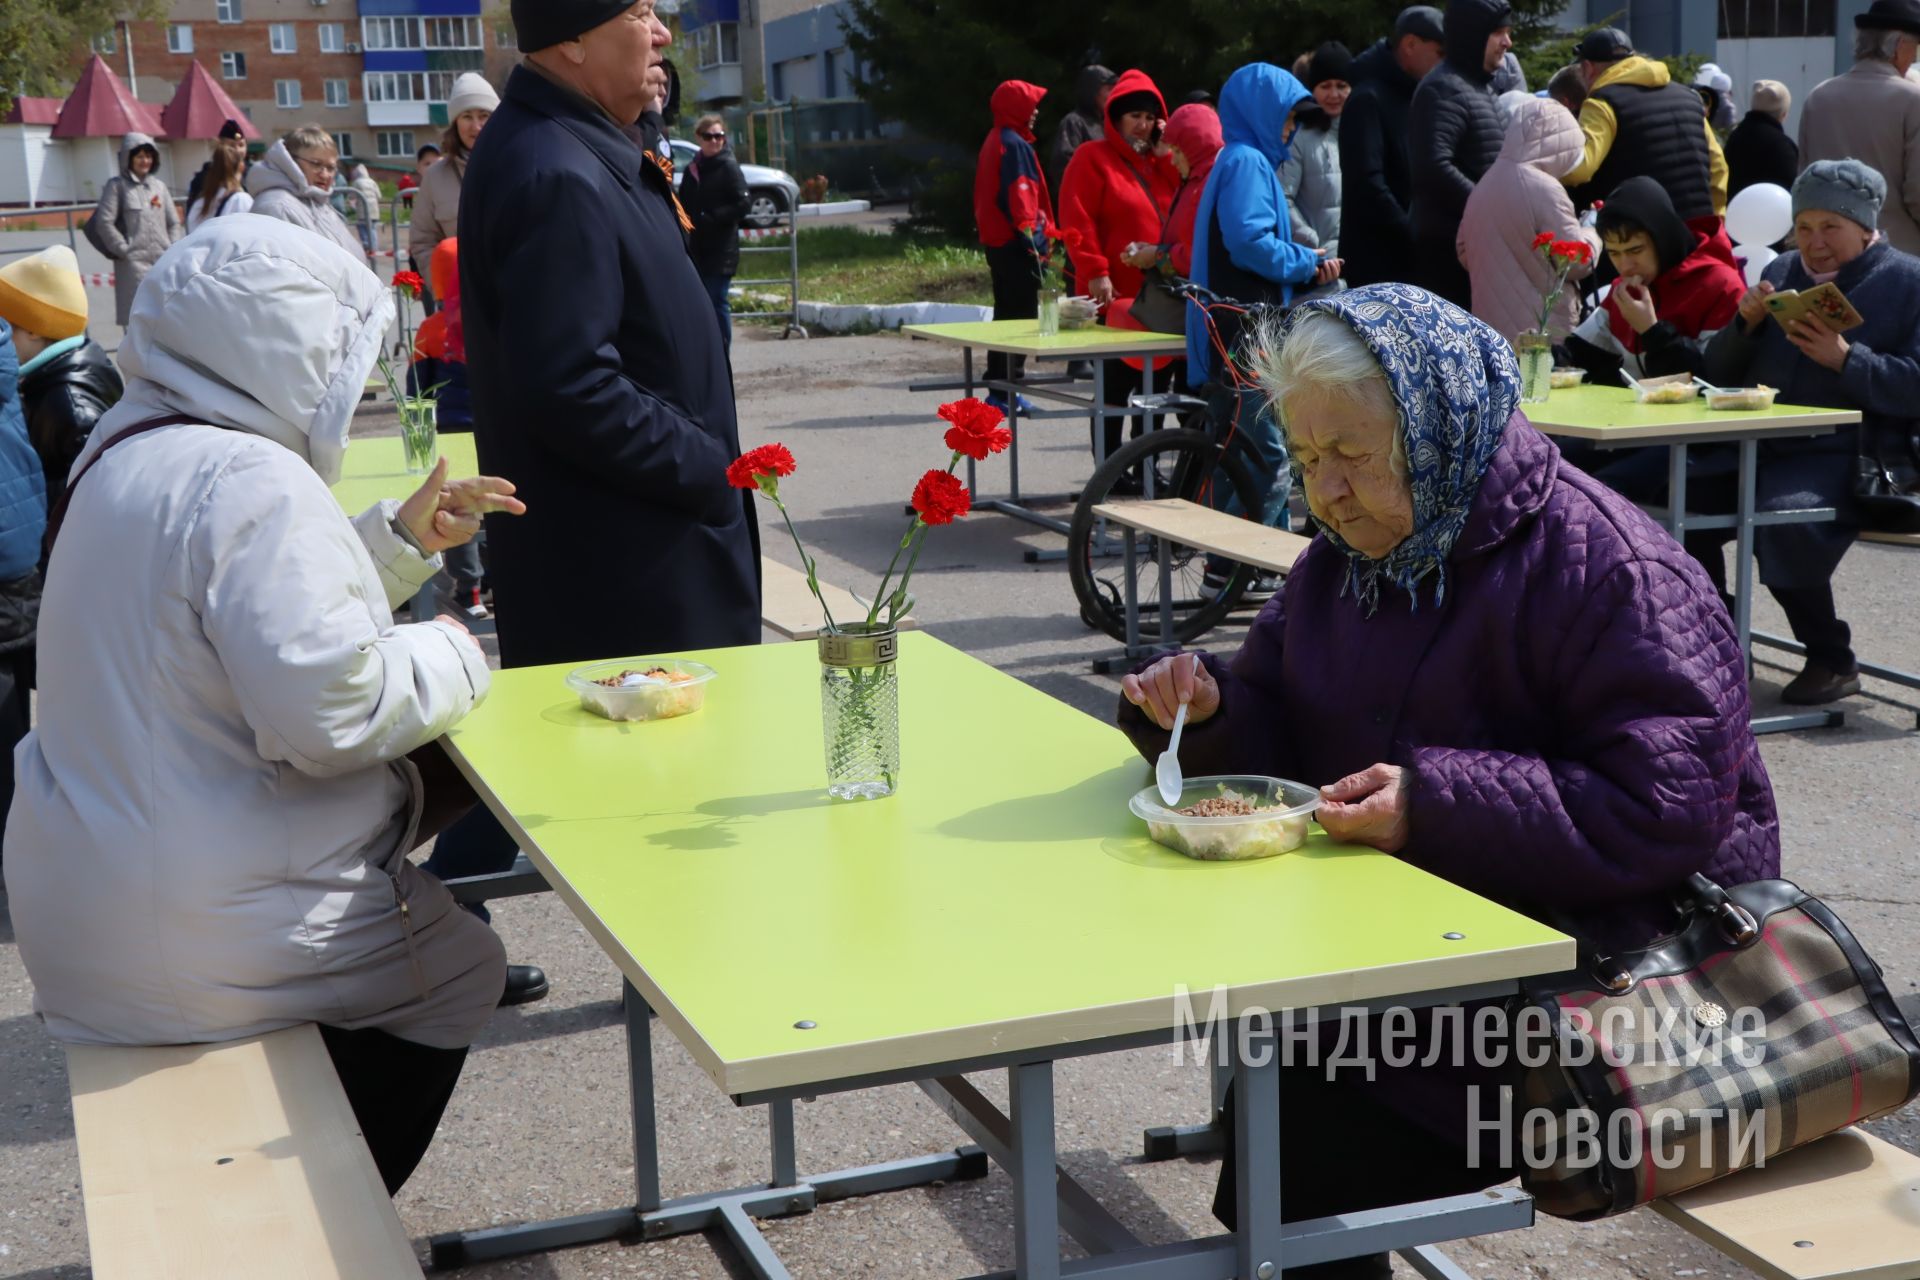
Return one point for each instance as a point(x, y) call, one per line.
point(1424, 160)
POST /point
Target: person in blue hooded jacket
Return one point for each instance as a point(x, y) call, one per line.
point(1243, 249)
point(23, 523)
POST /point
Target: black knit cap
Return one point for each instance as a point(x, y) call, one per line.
point(541, 24)
point(1329, 62)
point(1138, 100)
point(232, 129)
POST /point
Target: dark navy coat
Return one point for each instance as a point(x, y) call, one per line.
point(601, 388)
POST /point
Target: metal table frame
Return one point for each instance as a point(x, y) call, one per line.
point(1022, 1141)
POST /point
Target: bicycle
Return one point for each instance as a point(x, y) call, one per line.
point(1200, 464)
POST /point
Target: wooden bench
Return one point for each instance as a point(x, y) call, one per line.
point(1844, 1208)
point(234, 1160)
point(1176, 520)
point(788, 607)
point(1891, 539)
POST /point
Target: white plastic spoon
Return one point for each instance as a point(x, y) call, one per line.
point(1166, 770)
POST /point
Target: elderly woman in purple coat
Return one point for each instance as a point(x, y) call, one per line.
point(1495, 668)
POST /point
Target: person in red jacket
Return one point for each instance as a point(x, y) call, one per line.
point(1117, 193)
point(1193, 141)
point(1012, 209)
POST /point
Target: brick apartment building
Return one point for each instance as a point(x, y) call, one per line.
point(374, 73)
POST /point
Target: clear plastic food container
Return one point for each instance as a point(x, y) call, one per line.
point(1278, 823)
point(1678, 389)
point(1747, 398)
point(1562, 378)
point(641, 689)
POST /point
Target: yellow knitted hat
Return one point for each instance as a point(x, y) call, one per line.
point(43, 294)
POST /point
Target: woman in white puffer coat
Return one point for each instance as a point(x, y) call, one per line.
point(210, 831)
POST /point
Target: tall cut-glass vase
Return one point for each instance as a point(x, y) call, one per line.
point(860, 711)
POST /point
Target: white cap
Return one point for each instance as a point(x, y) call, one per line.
point(471, 92)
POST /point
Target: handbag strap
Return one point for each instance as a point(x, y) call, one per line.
point(58, 516)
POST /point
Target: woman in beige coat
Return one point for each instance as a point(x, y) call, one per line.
point(135, 221)
point(436, 203)
point(211, 823)
point(1517, 199)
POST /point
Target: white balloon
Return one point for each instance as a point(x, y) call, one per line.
point(1760, 215)
point(1757, 261)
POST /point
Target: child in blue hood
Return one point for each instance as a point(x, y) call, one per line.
point(1244, 249)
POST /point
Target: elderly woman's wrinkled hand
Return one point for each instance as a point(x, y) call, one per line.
point(1162, 687)
point(1824, 346)
point(461, 627)
point(1369, 807)
point(445, 513)
point(1753, 305)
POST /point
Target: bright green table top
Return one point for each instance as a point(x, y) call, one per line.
point(1004, 898)
point(1612, 415)
point(374, 468)
point(1022, 337)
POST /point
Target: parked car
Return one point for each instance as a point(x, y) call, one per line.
point(771, 191)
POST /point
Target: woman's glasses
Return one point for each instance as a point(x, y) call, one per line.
point(712, 136)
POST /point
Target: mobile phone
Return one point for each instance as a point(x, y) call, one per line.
point(1159, 128)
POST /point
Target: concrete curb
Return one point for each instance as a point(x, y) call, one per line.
point(831, 317)
point(835, 207)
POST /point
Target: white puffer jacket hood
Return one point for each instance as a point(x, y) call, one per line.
point(254, 324)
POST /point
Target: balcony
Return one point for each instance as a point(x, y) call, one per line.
point(715, 84)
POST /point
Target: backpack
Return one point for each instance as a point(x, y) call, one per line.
point(90, 227)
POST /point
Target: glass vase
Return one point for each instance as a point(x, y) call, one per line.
point(860, 711)
point(1049, 313)
point(1535, 351)
point(419, 435)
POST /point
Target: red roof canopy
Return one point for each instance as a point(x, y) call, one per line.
point(200, 106)
point(101, 106)
point(33, 111)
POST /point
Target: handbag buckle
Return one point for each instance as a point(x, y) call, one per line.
point(1738, 923)
point(1615, 981)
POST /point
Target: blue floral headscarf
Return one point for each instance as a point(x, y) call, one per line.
point(1456, 383)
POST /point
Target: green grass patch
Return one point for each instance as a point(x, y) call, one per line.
point(849, 266)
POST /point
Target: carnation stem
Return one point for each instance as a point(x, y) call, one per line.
point(900, 592)
point(813, 574)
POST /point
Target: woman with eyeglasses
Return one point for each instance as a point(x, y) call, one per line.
point(714, 194)
point(294, 183)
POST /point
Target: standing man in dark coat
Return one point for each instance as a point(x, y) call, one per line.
point(1081, 125)
point(1453, 136)
point(611, 412)
point(1759, 150)
point(1375, 231)
point(1639, 123)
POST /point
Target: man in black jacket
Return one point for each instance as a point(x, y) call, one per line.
point(1453, 136)
point(66, 380)
point(1759, 150)
point(1377, 186)
point(713, 191)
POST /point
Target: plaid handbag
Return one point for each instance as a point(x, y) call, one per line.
point(1757, 1027)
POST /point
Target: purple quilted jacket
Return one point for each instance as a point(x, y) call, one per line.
point(1573, 718)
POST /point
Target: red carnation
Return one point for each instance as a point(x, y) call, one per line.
point(1542, 240)
point(940, 498)
point(1575, 251)
point(1072, 238)
point(761, 468)
point(410, 281)
point(976, 429)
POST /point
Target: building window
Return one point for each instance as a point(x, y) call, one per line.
point(343, 143)
point(391, 143)
point(333, 37)
point(395, 86)
point(504, 37)
point(830, 71)
point(717, 44)
point(440, 85)
point(281, 38)
point(286, 94)
point(233, 66)
point(423, 33)
point(179, 38)
point(336, 93)
point(1773, 19)
point(106, 44)
point(226, 10)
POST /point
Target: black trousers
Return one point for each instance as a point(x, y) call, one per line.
point(398, 1091)
point(16, 680)
point(1016, 296)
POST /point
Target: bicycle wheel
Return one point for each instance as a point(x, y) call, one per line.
point(1169, 463)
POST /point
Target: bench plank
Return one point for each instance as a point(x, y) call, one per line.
point(786, 606)
point(1203, 528)
point(299, 1197)
point(1891, 539)
point(1854, 1198)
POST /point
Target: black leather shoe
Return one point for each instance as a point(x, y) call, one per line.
point(525, 984)
point(1820, 684)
